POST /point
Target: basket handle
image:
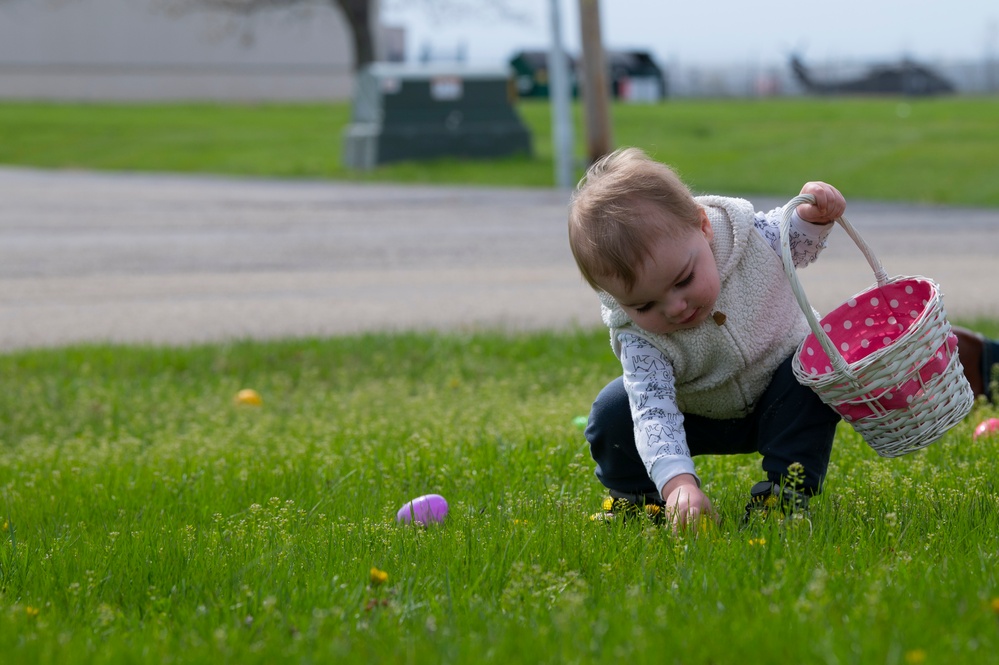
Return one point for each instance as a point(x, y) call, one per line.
point(839, 364)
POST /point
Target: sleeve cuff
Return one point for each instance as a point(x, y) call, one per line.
point(665, 469)
point(810, 229)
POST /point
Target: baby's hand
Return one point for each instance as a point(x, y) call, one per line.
point(685, 502)
point(828, 207)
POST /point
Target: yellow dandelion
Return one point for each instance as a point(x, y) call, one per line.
point(378, 576)
point(32, 612)
point(758, 541)
point(6, 525)
point(705, 524)
point(995, 605)
point(915, 657)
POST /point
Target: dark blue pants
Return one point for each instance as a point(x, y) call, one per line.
point(789, 424)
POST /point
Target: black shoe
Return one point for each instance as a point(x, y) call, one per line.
point(990, 369)
point(624, 506)
point(766, 496)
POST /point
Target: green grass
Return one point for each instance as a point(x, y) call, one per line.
point(925, 150)
point(144, 517)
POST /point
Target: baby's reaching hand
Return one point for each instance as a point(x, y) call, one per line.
point(685, 502)
point(828, 207)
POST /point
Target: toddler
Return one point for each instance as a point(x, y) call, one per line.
point(705, 324)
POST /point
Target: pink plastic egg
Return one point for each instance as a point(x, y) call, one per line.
point(988, 427)
point(426, 509)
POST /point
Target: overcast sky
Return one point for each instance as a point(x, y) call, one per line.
point(760, 32)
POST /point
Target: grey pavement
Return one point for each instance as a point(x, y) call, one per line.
point(178, 259)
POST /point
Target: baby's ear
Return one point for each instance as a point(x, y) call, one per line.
point(706, 228)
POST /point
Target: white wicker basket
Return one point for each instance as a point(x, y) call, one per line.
point(886, 360)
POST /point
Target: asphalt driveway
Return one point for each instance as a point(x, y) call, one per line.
point(175, 259)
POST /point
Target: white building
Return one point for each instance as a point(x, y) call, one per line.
point(137, 50)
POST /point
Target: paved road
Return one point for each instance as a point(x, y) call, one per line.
point(176, 259)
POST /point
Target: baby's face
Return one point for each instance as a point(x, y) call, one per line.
point(676, 287)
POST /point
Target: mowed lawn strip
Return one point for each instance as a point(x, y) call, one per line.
point(148, 517)
point(942, 150)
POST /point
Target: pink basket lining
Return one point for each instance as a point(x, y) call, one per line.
point(868, 323)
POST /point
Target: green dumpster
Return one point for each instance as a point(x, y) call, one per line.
point(408, 112)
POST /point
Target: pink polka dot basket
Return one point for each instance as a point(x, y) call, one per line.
point(886, 360)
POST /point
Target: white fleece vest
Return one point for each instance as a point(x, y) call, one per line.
point(722, 370)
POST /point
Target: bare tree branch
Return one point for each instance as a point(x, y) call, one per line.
point(243, 7)
point(441, 11)
point(358, 13)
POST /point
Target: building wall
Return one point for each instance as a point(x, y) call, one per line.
point(136, 50)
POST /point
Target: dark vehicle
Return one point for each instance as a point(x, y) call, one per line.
point(530, 71)
point(634, 75)
point(905, 78)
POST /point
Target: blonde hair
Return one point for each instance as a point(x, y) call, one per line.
point(622, 205)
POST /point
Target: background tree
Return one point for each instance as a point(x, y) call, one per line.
point(360, 14)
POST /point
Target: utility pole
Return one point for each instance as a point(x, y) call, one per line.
point(595, 88)
point(560, 95)
point(991, 31)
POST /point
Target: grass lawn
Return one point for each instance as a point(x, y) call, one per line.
point(147, 518)
point(926, 150)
